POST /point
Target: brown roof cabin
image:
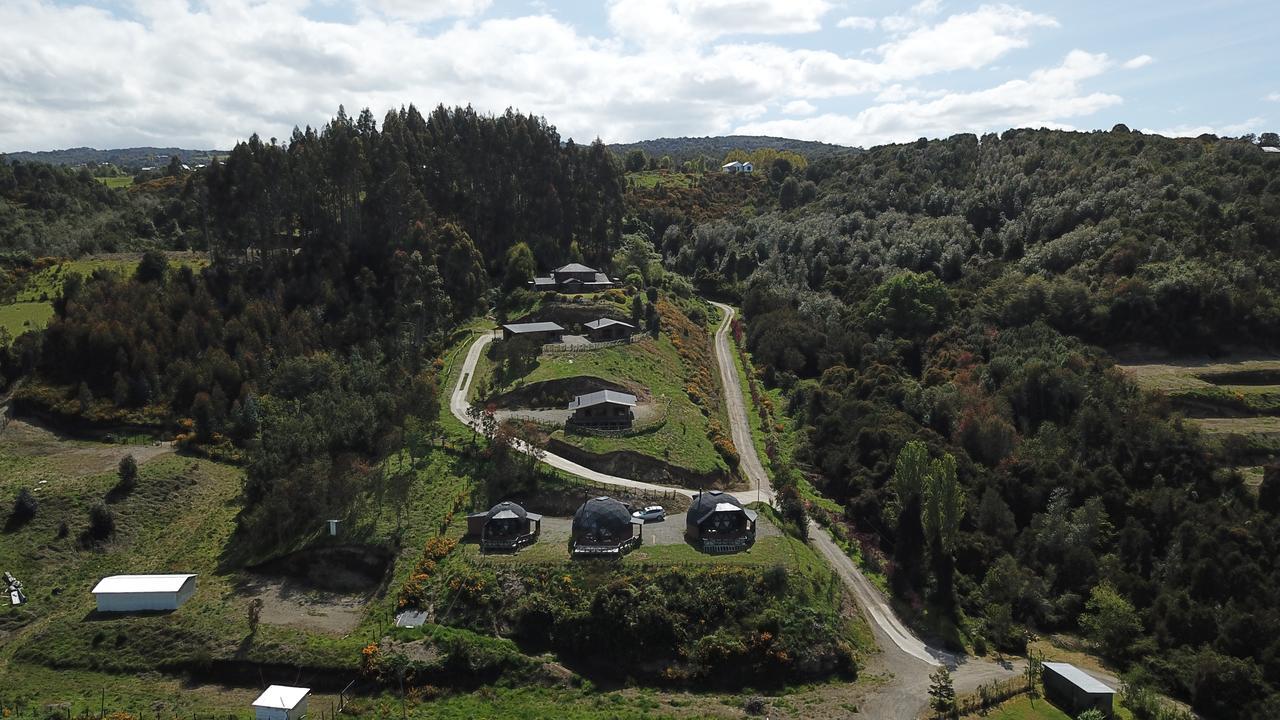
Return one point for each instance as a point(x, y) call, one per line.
point(604, 409)
point(606, 329)
point(575, 278)
point(717, 522)
point(547, 332)
point(505, 526)
point(604, 526)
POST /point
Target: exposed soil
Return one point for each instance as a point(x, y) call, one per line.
point(332, 568)
point(290, 603)
point(75, 457)
point(631, 464)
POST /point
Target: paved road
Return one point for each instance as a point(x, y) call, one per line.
point(904, 659)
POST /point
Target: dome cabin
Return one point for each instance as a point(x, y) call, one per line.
point(717, 522)
point(604, 526)
point(504, 527)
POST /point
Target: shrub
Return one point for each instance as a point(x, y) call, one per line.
point(24, 507)
point(102, 522)
point(128, 472)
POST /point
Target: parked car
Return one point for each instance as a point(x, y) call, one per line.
point(651, 513)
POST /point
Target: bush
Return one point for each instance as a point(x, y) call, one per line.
point(128, 472)
point(24, 507)
point(102, 522)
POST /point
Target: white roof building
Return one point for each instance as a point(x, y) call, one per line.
point(133, 593)
point(281, 702)
point(1271, 149)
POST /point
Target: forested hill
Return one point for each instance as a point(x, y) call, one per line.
point(132, 159)
point(689, 148)
point(936, 315)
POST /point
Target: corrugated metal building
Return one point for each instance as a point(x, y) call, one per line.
point(1074, 690)
point(281, 702)
point(135, 593)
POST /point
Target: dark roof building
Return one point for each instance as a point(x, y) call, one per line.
point(604, 526)
point(574, 277)
point(548, 332)
point(606, 329)
point(717, 522)
point(1074, 690)
point(603, 409)
point(505, 526)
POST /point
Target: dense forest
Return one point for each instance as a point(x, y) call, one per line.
point(342, 259)
point(934, 313)
point(133, 159)
point(690, 148)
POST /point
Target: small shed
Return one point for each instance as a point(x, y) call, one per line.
point(1269, 149)
point(604, 526)
point(747, 166)
point(731, 167)
point(505, 526)
point(1074, 690)
point(603, 409)
point(606, 329)
point(547, 332)
point(281, 702)
point(139, 593)
point(717, 522)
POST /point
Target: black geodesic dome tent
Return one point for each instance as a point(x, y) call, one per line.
point(719, 518)
point(603, 525)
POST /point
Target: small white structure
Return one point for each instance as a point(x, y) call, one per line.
point(731, 167)
point(1271, 149)
point(748, 167)
point(134, 593)
point(281, 702)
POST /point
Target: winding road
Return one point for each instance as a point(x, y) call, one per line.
point(905, 662)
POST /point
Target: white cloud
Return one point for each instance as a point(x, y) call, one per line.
point(1137, 62)
point(683, 22)
point(1047, 98)
point(855, 22)
point(426, 10)
point(1236, 129)
point(964, 41)
point(799, 107)
point(912, 18)
point(1273, 97)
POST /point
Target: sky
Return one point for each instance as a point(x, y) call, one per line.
point(206, 73)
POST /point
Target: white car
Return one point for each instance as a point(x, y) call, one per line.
point(651, 513)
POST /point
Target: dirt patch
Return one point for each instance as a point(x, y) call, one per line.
point(638, 466)
point(332, 568)
point(75, 457)
point(556, 394)
point(290, 603)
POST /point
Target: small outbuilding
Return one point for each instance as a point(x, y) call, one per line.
point(607, 329)
point(281, 702)
point(604, 526)
point(1269, 149)
point(603, 409)
point(1074, 690)
point(546, 332)
point(140, 593)
point(505, 526)
point(717, 522)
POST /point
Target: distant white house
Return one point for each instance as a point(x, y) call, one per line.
point(134, 593)
point(737, 167)
point(281, 702)
point(1271, 149)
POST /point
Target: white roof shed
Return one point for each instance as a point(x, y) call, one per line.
point(281, 702)
point(134, 593)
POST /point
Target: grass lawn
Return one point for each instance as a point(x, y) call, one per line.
point(1024, 708)
point(666, 178)
point(122, 181)
point(21, 317)
point(46, 284)
point(655, 365)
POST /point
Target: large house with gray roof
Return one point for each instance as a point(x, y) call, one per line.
point(573, 278)
point(603, 409)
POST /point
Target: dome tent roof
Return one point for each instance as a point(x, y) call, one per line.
point(602, 514)
point(712, 501)
point(507, 509)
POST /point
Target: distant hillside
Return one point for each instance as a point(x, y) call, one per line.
point(687, 148)
point(131, 158)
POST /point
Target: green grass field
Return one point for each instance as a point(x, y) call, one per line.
point(46, 284)
point(1238, 398)
point(21, 317)
point(122, 181)
point(656, 366)
point(666, 178)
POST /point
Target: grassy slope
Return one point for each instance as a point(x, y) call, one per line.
point(656, 365)
point(653, 178)
point(21, 317)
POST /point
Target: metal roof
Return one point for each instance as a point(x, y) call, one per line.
point(574, 268)
point(606, 322)
point(1079, 678)
point(281, 697)
point(117, 584)
point(601, 397)
point(1271, 149)
point(533, 327)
